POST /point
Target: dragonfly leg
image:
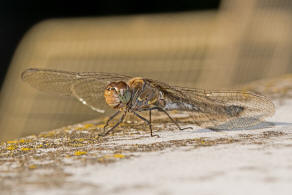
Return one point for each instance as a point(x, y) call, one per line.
point(117, 124)
point(147, 121)
point(161, 109)
point(110, 118)
point(150, 124)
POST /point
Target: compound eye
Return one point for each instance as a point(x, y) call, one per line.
point(111, 88)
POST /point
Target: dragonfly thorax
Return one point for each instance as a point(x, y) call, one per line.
point(117, 94)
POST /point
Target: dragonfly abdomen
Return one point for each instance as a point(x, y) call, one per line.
point(180, 106)
point(233, 110)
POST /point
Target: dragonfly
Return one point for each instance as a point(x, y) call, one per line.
point(212, 109)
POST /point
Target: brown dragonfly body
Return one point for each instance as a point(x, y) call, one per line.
point(209, 108)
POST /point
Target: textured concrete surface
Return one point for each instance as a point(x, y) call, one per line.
point(75, 160)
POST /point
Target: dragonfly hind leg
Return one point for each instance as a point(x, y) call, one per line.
point(162, 110)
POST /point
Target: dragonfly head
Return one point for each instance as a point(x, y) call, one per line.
point(117, 94)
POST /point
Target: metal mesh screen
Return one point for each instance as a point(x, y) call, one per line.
point(244, 41)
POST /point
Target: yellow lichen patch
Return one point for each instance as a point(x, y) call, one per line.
point(32, 166)
point(11, 147)
point(119, 155)
point(79, 139)
point(105, 119)
point(101, 160)
point(12, 142)
point(40, 146)
point(78, 153)
point(76, 144)
point(48, 134)
point(87, 126)
point(105, 156)
point(22, 141)
point(80, 128)
point(25, 149)
point(174, 112)
point(105, 159)
point(100, 126)
point(203, 142)
point(108, 158)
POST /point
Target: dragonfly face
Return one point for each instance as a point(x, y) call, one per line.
point(117, 94)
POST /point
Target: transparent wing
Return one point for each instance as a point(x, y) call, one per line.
point(87, 87)
point(90, 92)
point(219, 109)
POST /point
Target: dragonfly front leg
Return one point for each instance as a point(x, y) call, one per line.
point(161, 109)
point(110, 118)
point(117, 124)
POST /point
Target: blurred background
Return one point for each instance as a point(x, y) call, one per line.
point(206, 44)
